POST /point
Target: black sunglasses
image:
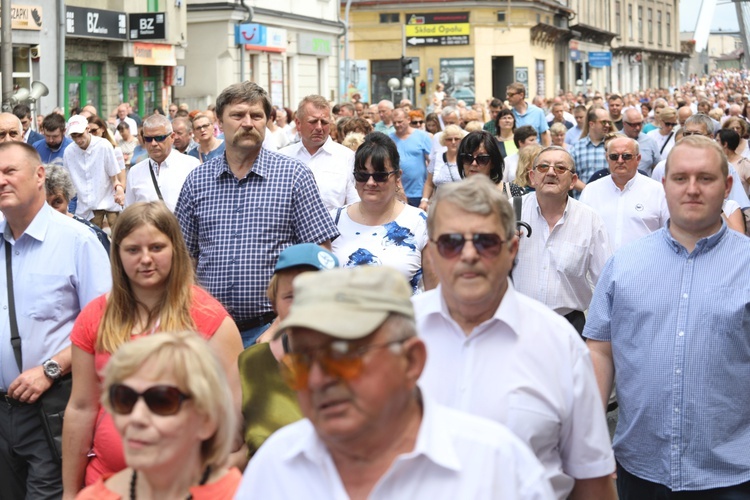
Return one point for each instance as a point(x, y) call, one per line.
point(482, 160)
point(625, 156)
point(157, 138)
point(417, 122)
point(670, 124)
point(376, 176)
point(162, 400)
point(450, 245)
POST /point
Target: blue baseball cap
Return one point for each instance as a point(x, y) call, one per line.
point(306, 254)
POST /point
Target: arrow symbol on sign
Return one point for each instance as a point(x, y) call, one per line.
point(415, 41)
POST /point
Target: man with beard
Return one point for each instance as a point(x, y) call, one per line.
point(331, 163)
point(52, 147)
point(238, 211)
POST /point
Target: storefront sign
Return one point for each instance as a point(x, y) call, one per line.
point(96, 23)
point(148, 26)
point(275, 39)
point(314, 45)
point(450, 28)
point(258, 37)
point(600, 59)
point(154, 54)
point(457, 75)
point(26, 17)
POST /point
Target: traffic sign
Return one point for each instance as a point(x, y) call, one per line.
point(600, 59)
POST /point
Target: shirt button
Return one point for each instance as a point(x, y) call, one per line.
point(684, 295)
point(18, 253)
point(681, 334)
point(5, 307)
point(678, 371)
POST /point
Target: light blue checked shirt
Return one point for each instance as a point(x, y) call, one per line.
point(588, 158)
point(679, 324)
point(236, 228)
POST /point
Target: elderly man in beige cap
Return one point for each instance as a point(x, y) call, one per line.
point(354, 360)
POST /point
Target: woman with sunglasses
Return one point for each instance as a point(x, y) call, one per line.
point(208, 145)
point(505, 124)
point(379, 229)
point(445, 168)
point(416, 119)
point(172, 407)
point(666, 119)
point(479, 153)
point(152, 290)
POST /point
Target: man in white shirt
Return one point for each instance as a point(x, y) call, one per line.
point(354, 360)
point(331, 163)
point(630, 204)
point(95, 172)
point(165, 167)
point(560, 263)
point(122, 116)
point(497, 353)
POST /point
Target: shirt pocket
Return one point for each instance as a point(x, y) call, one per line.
point(534, 420)
point(569, 259)
point(44, 295)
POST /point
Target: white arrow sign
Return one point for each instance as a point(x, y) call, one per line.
point(415, 41)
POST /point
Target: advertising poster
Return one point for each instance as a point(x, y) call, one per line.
point(359, 75)
point(457, 75)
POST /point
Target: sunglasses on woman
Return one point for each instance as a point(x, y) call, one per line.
point(376, 176)
point(450, 245)
point(416, 123)
point(482, 160)
point(163, 400)
point(338, 359)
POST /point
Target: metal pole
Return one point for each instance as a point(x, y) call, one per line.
point(743, 34)
point(346, 50)
point(61, 53)
point(6, 53)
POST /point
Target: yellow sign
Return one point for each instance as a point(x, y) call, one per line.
point(154, 54)
point(438, 29)
point(26, 17)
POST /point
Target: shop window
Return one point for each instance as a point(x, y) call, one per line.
point(139, 87)
point(391, 17)
point(83, 83)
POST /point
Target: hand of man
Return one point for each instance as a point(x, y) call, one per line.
point(119, 197)
point(29, 385)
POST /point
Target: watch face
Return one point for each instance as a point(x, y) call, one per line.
point(52, 369)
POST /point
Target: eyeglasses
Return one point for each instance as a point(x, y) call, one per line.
point(12, 133)
point(634, 125)
point(157, 138)
point(376, 176)
point(482, 160)
point(163, 400)
point(670, 124)
point(625, 156)
point(452, 139)
point(450, 245)
point(338, 359)
point(559, 169)
point(510, 94)
point(688, 133)
point(417, 122)
point(202, 127)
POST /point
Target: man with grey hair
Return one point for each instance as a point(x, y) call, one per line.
point(11, 129)
point(354, 360)
point(331, 163)
point(632, 126)
point(162, 174)
point(238, 211)
point(561, 260)
point(182, 135)
point(385, 125)
point(631, 204)
point(499, 354)
point(448, 116)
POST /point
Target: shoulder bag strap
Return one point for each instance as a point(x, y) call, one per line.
point(517, 206)
point(15, 339)
point(338, 215)
point(153, 179)
point(666, 142)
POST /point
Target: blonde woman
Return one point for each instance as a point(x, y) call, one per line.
point(445, 168)
point(152, 290)
point(664, 136)
point(526, 157)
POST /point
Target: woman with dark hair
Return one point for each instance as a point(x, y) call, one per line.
point(505, 124)
point(432, 123)
point(479, 153)
point(379, 229)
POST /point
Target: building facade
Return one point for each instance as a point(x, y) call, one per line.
point(289, 47)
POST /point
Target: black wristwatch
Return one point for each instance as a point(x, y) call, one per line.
point(52, 369)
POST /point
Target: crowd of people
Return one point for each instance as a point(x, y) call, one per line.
point(362, 300)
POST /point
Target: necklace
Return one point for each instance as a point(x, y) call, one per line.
point(134, 481)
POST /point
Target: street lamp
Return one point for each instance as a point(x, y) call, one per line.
point(393, 84)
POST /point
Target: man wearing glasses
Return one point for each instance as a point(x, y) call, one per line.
point(527, 114)
point(354, 360)
point(499, 354)
point(631, 204)
point(96, 174)
point(632, 125)
point(560, 263)
point(162, 174)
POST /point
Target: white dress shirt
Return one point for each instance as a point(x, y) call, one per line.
point(511, 167)
point(560, 268)
point(170, 176)
point(333, 168)
point(631, 213)
point(664, 143)
point(132, 125)
point(90, 170)
point(456, 456)
point(527, 368)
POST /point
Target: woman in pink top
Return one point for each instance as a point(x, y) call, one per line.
point(172, 406)
point(152, 290)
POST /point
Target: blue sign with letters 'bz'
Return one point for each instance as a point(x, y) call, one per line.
point(600, 59)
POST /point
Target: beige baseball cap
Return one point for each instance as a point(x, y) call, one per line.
point(348, 303)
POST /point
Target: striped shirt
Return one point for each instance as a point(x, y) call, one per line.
point(236, 228)
point(679, 324)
